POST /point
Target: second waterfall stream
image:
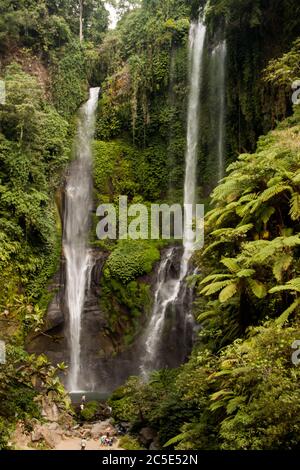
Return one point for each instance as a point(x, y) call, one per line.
point(168, 289)
point(78, 206)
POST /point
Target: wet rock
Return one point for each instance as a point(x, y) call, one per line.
point(54, 316)
point(147, 435)
point(155, 444)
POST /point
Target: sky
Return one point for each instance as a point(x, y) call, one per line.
point(113, 16)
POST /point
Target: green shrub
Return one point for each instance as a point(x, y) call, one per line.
point(90, 411)
point(130, 443)
point(131, 259)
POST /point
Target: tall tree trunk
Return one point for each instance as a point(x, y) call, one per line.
point(81, 20)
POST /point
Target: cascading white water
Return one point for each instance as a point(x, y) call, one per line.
point(78, 205)
point(197, 38)
point(219, 54)
point(164, 291)
point(168, 290)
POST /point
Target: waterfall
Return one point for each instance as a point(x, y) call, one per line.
point(168, 291)
point(196, 41)
point(78, 205)
point(165, 291)
point(217, 80)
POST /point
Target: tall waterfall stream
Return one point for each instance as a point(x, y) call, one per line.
point(78, 205)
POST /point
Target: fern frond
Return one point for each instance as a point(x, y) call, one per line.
point(214, 277)
point(273, 191)
point(285, 315)
point(215, 287)
point(295, 206)
point(231, 264)
point(212, 246)
point(228, 292)
point(176, 439)
point(281, 265)
point(258, 288)
point(245, 273)
point(206, 315)
point(293, 285)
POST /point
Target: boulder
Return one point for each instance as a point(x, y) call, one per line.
point(155, 444)
point(101, 428)
point(147, 435)
point(36, 434)
point(52, 438)
point(51, 434)
point(53, 426)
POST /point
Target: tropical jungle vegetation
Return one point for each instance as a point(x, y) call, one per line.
point(239, 390)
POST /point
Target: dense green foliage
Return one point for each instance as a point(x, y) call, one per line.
point(240, 388)
point(46, 73)
point(123, 169)
point(25, 381)
point(34, 149)
point(256, 32)
point(89, 411)
point(144, 94)
point(46, 25)
point(68, 79)
point(125, 289)
point(247, 397)
point(253, 235)
point(131, 260)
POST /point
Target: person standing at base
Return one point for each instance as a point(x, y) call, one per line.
point(83, 444)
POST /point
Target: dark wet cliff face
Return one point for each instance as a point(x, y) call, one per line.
point(106, 361)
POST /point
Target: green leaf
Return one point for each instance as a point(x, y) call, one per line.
point(295, 206)
point(176, 439)
point(214, 277)
point(281, 265)
point(293, 285)
point(258, 288)
point(267, 214)
point(231, 264)
point(245, 273)
point(215, 287)
point(228, 292)
point(220, 394)
point(285, 315)
point(274, 191)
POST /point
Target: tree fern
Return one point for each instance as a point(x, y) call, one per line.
point(295, 206)
point(215, 287)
